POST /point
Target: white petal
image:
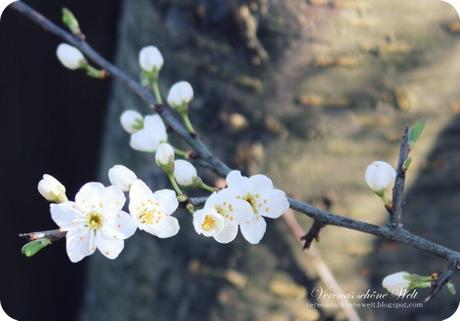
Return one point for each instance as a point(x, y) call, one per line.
point(277, 204)
point(167, 200)
point(143, 141)
point(235, 179)
point(228, 234)
point(155, 125)
point(260, 184)
point(120, 227)
point(242, 211)
point(90, 196)
point(254, 230)
point(198, 217)
point(79, 244)
point(65, 215)
point(114, 198)
point(109, 248)
point(168, 226)
point(138, 193)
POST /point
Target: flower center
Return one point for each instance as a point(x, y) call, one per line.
point(94, 220)
point(252, 200)
point(149, 212)
point(226, 210)
point(208, 223)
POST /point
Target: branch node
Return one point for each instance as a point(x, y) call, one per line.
point(313, 234)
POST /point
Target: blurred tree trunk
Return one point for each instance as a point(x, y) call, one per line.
point(189, 277)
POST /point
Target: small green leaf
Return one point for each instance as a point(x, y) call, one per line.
point(69, 19)
point(407, 163)
point(32, 248)
point(451, 288)
point(415, 132)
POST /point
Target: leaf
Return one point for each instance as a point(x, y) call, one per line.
point(415, 132)
point(451, 288)
point(32, 248)
point(407, 163)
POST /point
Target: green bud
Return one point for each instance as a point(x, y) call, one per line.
point(69, 19)
point(451, 288)
point(32, 248)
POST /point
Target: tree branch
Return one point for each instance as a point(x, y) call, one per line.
point(205, 156)
point(398, 189)
point(52, 235)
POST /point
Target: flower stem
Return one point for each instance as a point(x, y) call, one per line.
point(174, 185)
point(208, 188)
point(181, 153)
point(188, 123)
point(156, 91)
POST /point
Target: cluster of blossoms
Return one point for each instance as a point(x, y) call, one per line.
point(96, 220)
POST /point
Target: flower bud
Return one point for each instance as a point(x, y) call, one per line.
point(397, 283)
point(131, 121)
point(379, 176)
point(69, 19)
point(122, 177)
point(184, 172)
point(51, 189)
point(180, 95)
point(70, 57)
point(164, 157)
point(150, 59)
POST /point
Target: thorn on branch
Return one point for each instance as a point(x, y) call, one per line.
point(313, 234)
point(442, 280)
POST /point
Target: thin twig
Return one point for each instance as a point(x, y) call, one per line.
point(398, 189)
point(52, 235)
point(442, 279)
point(205, 156)
point(313, 234)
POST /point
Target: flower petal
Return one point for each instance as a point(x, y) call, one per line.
point(90, 196)
point(143, 141)
point(228, 234)
point(121, 227)
point(155, 125)
point(109, 248)
point(277, 204)
point(254, 230)
point(260, 184)
point(167, 226)
point(138, 193)
point(65, 215)
point(79, 244)
point(167, 199)
point(114, 198)
point(236, 180)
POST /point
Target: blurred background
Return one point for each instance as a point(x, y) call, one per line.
point(308, 92)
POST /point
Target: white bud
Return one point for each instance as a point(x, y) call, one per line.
point(379, 176)
point(184, 172)
point(69, 56)
point(164, 155)
point(51, 189)
point(181, 93)
point(122, 177)
point(131, 121)
point(150, 59)
point(397, 282)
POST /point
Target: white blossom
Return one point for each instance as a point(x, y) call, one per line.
point(94, 220)
point(148, 138)
point(164, 155)
point(264, 199)
point(131, 121)
point(69, 56)
point(184, 172)
point(379, 176)
point(181, 93)
point(150, 59)
point(122, 177)
point(51, 189)
point(220, 216)
point(152, 211)
point(397, 282)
